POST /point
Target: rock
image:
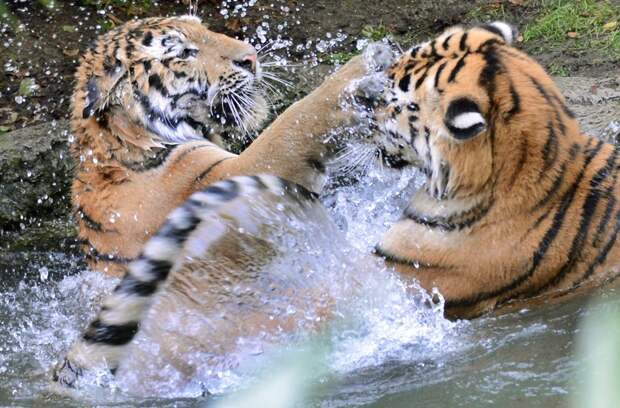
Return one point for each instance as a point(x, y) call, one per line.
point(35, 176)
point(595, 102)
point(612, 132)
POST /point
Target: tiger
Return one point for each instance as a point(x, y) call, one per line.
point(506, 170)
point(519, 207)
point(206, 259)
point(153, 102)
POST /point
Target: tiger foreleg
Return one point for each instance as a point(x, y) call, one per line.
point(300, 142)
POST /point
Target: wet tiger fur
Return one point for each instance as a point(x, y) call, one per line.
point(151, 101)
point(185, 263)
point(518, 203)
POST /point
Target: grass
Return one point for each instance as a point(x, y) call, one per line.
point(577, 25)
point(488, 12)
point(558, 69)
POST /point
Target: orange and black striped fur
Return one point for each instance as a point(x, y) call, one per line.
point(203, 270)
point(151, 100)
point(518, 203)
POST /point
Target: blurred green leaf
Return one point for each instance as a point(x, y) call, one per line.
point(286, 383)
point(598, 346)
point(7, 16)
point(27, 86)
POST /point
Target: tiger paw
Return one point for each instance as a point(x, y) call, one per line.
point(367, 93)
point(378, 56)
point(66, 374)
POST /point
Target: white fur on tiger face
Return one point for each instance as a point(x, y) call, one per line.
point(174, 77)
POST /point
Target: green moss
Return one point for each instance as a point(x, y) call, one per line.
point(576, 25)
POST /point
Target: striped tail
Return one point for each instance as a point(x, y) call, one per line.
point(223, 204)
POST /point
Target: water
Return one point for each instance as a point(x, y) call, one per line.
point(385, 347)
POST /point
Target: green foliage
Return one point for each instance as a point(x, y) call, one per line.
point(577, 24)
point(375, 33)
point(49, 4)
point(598, 347)
point(339, 58)
point(7, 16)
point(106, 24)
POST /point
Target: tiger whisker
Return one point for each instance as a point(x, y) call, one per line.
point(233, 107)
point(380, 153)
point(214, 98)
point(269, 93)
point(276, 64)
point(244, 108)
point(272, 77)
point(269, 43)
point(240, 112)
point(247, 105)
point(354, 158)
point(263, 52)
point(272, 88)
point(244, 98)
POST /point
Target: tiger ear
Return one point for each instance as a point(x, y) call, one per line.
point(99, 89)
point(507, 31)
point(464, 119)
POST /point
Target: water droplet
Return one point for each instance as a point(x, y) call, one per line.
point(43, 273)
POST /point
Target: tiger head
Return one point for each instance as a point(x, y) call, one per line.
point(466, 107)
point(162, 81)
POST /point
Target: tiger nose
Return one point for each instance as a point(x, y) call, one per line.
point(247, 62)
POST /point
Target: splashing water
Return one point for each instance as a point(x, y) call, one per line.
point(39, 318)
point(377, 317)
point(384, 345)
point(382, 339)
